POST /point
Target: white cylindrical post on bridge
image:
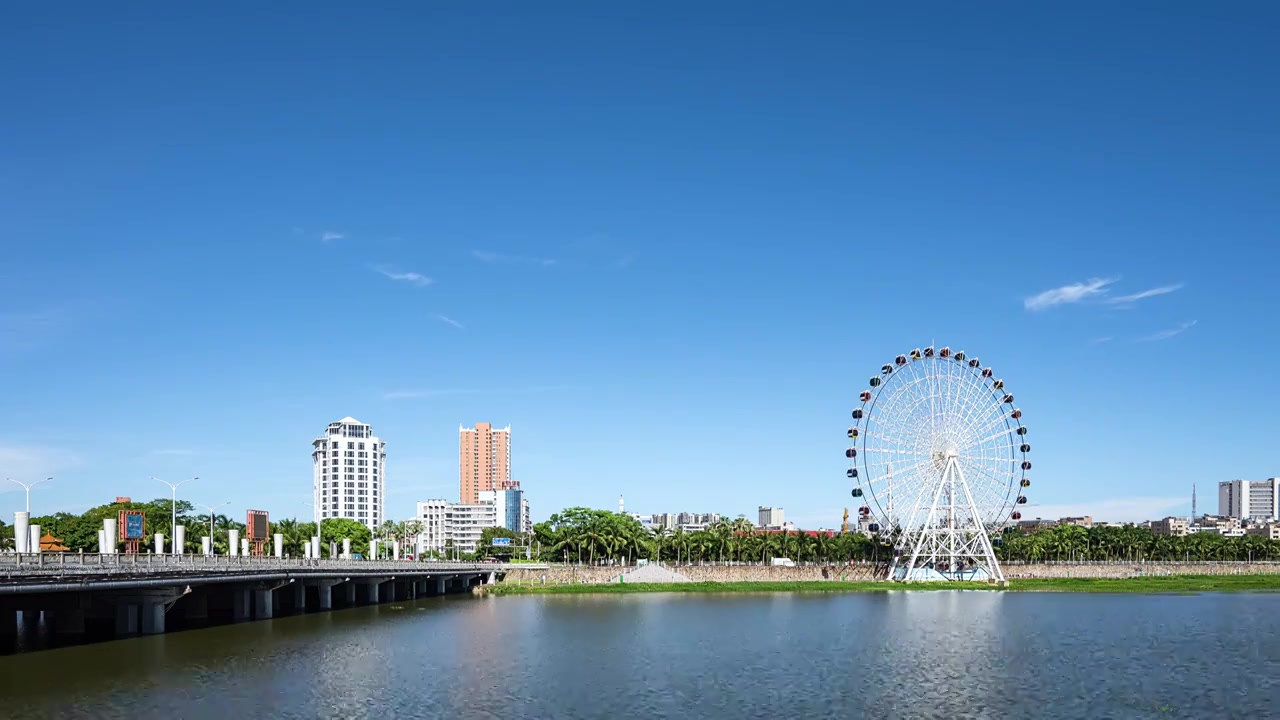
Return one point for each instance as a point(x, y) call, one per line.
point(306, 550)
point(315, 546)
point(373, 549)
point(233, 542)
point(206, 545)
point(33, 538)
point(102, 541)
point(346, 548)
point(279, 545)
point(109, 530)
point(159, 543)
point(395, 549)
point(179, 540)
point(21, 531)
point(244, 547)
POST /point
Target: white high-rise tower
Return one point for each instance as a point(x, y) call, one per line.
point(350, 473)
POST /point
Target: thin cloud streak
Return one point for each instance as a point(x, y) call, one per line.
point(1068, 294)
point(419, 394)
point(487, 256)
point(413, 278)
point(1130, 509)
point(1171, 332)
point(1153, 292)
point(450, 321)
point(331, 236)
point(1102, 340)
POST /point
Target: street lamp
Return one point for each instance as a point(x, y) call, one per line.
point(173, 522)
point(28, 487)
point(211, 508)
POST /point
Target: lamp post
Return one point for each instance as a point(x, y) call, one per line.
point(173, 521)
point(27, 487)
point(211, 508)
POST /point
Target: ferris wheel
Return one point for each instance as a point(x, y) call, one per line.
point(939, 456)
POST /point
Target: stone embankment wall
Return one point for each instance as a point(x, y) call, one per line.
point(572, 574)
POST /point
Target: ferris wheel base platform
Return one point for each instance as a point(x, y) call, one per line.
point(924, 574)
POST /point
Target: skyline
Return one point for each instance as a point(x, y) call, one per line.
point(666, 245)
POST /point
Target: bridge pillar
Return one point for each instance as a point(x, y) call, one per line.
point(350, 593)
point(152, 617)
point(325, 593)
point(262, 607)
point(411, 589)
point(491, 578)
point(391, 591)
point(299, 597)
point(126, 618)
point(8, 622)
point(442, 585)
point(239, 605)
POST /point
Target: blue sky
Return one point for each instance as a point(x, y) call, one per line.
point(666, 244)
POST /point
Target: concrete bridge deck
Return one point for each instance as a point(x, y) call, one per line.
point(48, 572)
point(120, 595)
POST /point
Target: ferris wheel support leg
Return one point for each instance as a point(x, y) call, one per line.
point(924, 532)
point(984, 540)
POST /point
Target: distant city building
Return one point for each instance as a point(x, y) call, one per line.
point(1177, 527)
point(1249, 500)
point(484, 460)
point(349, 473)
point(1218, 524)
point(1085, 521)
point(689, 522)
point(511, 507)
point(1271, 531)
point(770, 517)
point(448, 525)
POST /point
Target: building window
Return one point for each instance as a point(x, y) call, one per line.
point(361, 446)
point(351, 446)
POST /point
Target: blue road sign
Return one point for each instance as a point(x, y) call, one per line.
point(502, 542)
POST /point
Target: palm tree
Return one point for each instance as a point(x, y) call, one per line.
point(659, 533)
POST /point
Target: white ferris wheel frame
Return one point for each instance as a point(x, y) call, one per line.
point(939, 449)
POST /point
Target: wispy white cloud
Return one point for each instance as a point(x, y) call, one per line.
point(1153, 292)
point(25, 329)
point(32, 462)
point(1068, 294)
point(418, 394)
point(1101, 340)
point(449, 321)
point(412, 278)
point(487, 256)
point(331, 236)
point(1130, 509)
point(1171, 332)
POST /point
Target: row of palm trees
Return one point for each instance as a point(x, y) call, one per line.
point(1130, 543)
point(599, 537)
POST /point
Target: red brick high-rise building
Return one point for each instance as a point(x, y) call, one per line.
point(484, 460)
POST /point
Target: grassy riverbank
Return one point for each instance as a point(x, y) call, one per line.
point(1148, 584)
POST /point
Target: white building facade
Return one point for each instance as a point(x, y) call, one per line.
point(447, 526)
point(770, 517)
point(511, 506)
point(1249, 500)
point(349, 473)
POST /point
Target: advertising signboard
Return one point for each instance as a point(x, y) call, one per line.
point(257, 526)
point(131, 524)
point(502, 542)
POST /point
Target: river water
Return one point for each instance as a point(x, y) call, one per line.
point(941, 654)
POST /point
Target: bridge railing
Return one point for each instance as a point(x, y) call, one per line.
point(95, 563)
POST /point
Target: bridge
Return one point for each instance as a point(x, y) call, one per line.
point(128, 594)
